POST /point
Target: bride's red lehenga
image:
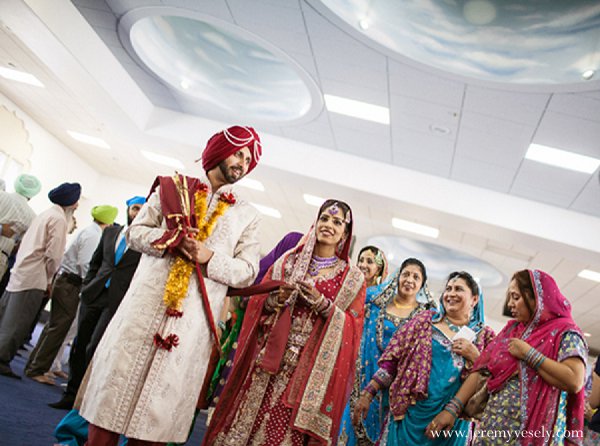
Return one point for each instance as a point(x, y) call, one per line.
point(293, 371)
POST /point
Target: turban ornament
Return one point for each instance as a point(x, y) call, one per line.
point(225, 143)
point(238, 141)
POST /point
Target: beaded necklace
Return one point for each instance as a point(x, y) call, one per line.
point(451, 326)
point(318, 263)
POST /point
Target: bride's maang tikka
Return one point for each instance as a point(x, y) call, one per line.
point(334, 209)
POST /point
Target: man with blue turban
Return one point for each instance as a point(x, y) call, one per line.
point(65, 294)
point(16, 215)
point(110, 271)
point(38, 259)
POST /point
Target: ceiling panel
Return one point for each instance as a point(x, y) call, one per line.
point(523, 108)
point(570, 133)
point(315, 132)
point(566, 271)
point(494, 126)
point(409, 81)
point(424, 116)
point(545, 261)
point(101, 5)
point(533, 182)
point(331, 66)
point(370, 94)
point(247, 14)
point(478, 173)
point(576, 104)
point(98, 17)
point(423, 146)
point(577, 288)
point(477, 144)
point(588, 201)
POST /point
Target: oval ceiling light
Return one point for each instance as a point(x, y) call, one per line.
point(543, 43)
point(217, 69)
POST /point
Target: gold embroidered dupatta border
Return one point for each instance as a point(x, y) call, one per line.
point(309, 416)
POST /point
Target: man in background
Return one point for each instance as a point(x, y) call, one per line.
point(16, 215)
point(65, 294)
point(111, 270)
point(38, 259)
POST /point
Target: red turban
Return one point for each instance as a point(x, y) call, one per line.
point(225, 143)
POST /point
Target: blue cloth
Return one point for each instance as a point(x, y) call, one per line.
point(118, 255)
point(120, 250)
point(378, 329)
point(135, 200)
point(66, 194)
point(444, 382)
point(72, 430)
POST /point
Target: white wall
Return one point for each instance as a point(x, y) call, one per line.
point(54, 163)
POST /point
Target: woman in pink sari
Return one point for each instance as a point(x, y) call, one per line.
point(536, 368)
point(294, 365)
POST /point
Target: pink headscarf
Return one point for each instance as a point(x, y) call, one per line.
point(225, 143)
point(544, 332)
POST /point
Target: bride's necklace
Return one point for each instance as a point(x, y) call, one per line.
point(318, 263)
point(401, 306)
point(455, 328)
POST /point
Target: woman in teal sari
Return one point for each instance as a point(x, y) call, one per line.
point(388, 306)
point(424, 364)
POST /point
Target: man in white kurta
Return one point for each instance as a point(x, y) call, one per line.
point(16, 215)
point(137, 386)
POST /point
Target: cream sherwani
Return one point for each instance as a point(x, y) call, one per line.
point(148, 393)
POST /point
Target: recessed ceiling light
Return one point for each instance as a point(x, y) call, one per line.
point(20, 76)
point(313, 200)
point(357, 109)
point(587, 335)
point(87, 139)
point(364, 24)
point(588, 74)
point(185, 84)
point(266, 210)
point(251, 184)
point(590, 275)
point(416, 228)
point(562, 158)
point(163, 159)
point(439, 129)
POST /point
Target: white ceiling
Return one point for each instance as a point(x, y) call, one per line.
point(471, 182)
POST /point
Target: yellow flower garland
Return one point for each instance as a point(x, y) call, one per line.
point(179, 276)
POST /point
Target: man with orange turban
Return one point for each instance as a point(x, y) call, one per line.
point(197, 238)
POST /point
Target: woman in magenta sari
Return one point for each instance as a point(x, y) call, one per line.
point(294, 365)
point(536, 366)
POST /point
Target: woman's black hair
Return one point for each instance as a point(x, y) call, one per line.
point(417, 262)
point(471, 283)
point(373, 249)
